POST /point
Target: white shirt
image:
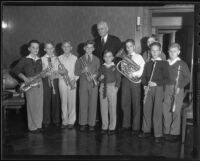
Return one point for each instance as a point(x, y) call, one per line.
point(69, 64)
point(171, 62)
point(54, 68)
point(105, 38)
point(138, 59)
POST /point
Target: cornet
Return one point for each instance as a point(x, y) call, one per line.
point(88, 74)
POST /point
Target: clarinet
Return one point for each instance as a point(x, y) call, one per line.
point(148, 87)
point(175, 88)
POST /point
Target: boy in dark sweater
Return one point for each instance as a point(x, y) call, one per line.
point(179, 78)
point(155, 76)
point(110, 81)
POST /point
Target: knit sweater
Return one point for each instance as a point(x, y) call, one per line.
point(184, 74)
point(160, 74)
point(110, 74)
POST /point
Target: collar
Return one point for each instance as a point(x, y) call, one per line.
point(86, 55)
point(133, 54)
point(67, 56)
point(31, 57)
point(157, 59)
point(108, 65)
point(171, 62)
point(47, 56)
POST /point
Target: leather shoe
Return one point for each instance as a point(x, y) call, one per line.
point(103, 131)
point(70, 126)
point(111, 132)
point(63, 126)
point(83, 127)
point(158, 139)
point(91, 128)
point(144, 135)
point(34, 131)
point(135, 132)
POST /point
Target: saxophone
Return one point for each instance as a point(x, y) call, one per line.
point(66, 77)
point(88, 74)
point(34, 82)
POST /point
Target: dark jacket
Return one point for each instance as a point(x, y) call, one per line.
point(112, 44)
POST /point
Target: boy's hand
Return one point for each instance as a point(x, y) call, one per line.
point(152, 84)
point(101, 77)
point(85, 70)
point(177, 90)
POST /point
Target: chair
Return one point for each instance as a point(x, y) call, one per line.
point(187, 115)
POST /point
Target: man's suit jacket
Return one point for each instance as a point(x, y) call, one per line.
point(112, 44)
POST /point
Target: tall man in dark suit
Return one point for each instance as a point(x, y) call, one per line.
point(105, 41)
point(111, 43)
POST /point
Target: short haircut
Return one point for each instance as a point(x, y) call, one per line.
point(49, 42)
point(175, 45)
point(89, 42)
point(131, 41)
point(153, 36)
point(66, 42)
point(33, 41)
point(156, 43)
point(103, 23)
point(107, 51)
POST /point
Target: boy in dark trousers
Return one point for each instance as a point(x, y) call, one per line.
point(174, 93)
point(155, 76)
point(110, 83)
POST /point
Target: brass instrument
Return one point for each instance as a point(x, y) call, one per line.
point(35, 82)
point(88, 74)
point(175, 88)
point(66, 77)
point(148, 87)
point(127, 66)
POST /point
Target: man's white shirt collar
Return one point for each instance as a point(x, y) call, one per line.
point(105, 38)
point(171, 62)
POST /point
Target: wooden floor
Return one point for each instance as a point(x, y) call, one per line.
point(74, 144)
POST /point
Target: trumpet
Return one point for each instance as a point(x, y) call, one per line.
point(66, 77)
point(35, 81)
point(88, 74)
point(127, 65)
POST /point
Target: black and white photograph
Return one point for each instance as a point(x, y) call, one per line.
point(100, 80)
